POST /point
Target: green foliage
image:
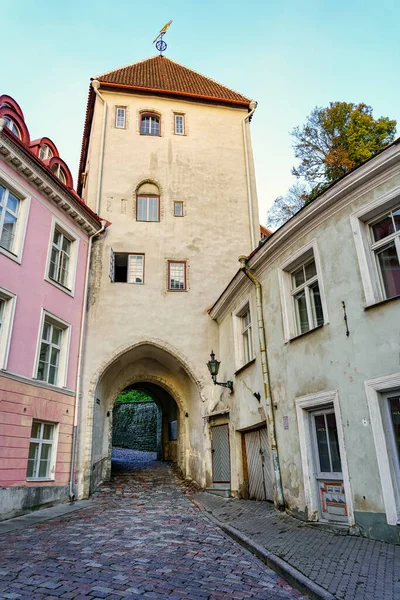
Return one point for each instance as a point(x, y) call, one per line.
point(338, 138)
point(133, 396)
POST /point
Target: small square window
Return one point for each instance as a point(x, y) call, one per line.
point(176, 276)
point(120, 117)
point(178, 209)
point(179, 124)
point(41, 451)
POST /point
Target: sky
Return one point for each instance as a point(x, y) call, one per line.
point(289, 56)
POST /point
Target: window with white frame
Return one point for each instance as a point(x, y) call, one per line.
point(52, 355)
point(120, 117)
point(59, 172)
point(179, 121)
point(149, 124)
point(178, 208)
point(45, 152)
point(127, 268)
point(247, 341)
point(41, 451)
point(148, 208)
point(176, 275)
point(60, 258)
point(12, 126)
point(243, 334)
point(302, 292)
point(306, 297)
point(392, 401)
point(385, 244)
point(9, 212)
point(7, 309)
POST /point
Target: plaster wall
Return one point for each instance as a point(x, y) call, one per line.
point(206, 170)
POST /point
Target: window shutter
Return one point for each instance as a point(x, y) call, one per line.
point(153, 209)
point(112, 265)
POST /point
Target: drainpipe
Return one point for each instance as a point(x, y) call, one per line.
point(96, 86)
point(266, 381)
point(246, 120)
point(79, 370)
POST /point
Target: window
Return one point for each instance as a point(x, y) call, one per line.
point(7, 309)
point(148, 208)
point(178, 209)
point(58, 172)
point(179, 124)
point(302, 292)
point(52, 351)
point(40, 458)
point(306, 296)
point(149, 124)
point(60, 259)
point(128, 268)
point(247, 336)
point(394, 412)
point(45, 152)
point(120, 117)
point(12, 126)
point(9, 208)
point(176, 276)
point(385, 235)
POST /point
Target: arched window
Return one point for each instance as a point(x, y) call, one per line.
point(45, 152)
point(12, 126)
point(147, 202)
point(58, 172)
point(149, 124)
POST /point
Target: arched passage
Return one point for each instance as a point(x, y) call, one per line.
point(152, 367)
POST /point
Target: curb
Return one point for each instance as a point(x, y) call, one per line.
point(280, 566)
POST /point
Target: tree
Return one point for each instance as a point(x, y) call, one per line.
point(284, 207)
point(133, 396)
point(338, 138)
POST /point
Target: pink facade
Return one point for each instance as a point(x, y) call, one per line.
point(42, 287)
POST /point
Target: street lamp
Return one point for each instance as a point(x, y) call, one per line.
point(213, 367)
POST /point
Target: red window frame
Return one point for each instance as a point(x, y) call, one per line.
point(176, 202)
point(137, 204)
point(150, 114)
point(177, 262)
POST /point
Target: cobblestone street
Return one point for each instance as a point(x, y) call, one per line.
point(141, 538)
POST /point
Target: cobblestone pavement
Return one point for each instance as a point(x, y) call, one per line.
point(141, 538)
point(352, 568)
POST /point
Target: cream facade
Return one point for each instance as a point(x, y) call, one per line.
point(330, 296)
point(152, 329)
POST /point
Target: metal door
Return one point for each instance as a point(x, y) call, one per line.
point(259, 465)
point(220, 454)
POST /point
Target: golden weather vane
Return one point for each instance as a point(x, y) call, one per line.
point(159, 42)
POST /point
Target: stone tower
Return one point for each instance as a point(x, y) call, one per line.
point(166, 158)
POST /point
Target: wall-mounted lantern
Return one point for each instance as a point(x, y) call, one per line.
point(213, 367)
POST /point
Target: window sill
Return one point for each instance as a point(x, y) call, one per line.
point(59, 286)
point(174, 291)
point(369, 306)
point(301, 335)
point(151, 134)
point(29, 479)
point(244, 367)
point(10, 255)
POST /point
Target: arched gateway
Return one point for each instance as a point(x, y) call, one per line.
point(161, 371)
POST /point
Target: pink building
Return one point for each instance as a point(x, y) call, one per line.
point(45, 237)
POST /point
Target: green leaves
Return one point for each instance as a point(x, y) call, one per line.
point(133, 396)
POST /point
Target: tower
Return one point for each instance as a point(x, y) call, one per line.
point(166, 158)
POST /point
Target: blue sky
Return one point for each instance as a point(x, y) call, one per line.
point(289, 56)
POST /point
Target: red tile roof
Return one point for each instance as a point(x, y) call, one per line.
point(161, 74)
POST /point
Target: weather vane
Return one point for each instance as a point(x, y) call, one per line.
point(159, 42)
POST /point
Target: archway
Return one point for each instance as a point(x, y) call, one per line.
point(165, 376)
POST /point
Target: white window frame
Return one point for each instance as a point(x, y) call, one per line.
point(376, 392)
point(130, 256)
point(7, 318)
point(183, 117)
point(64, 352)
point(185, 265)
point(59, 172)
point(54, 446)
point(360, 223)
point(70, 288)
point(148, 197)
point(117, 109)
point(238, 315)
point(47, 151)
point(304, 407)
point(286, 269)
point(23, 213)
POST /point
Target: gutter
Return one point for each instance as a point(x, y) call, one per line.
point(80, 361)
point(96, 86)
point(279, 501)
point(246, 121)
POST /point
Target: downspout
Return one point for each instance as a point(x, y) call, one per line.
point(96, 86)
point(79, 370)
point(266, 380)
point(246, 120)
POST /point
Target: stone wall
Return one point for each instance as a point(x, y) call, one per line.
point(137, 426)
